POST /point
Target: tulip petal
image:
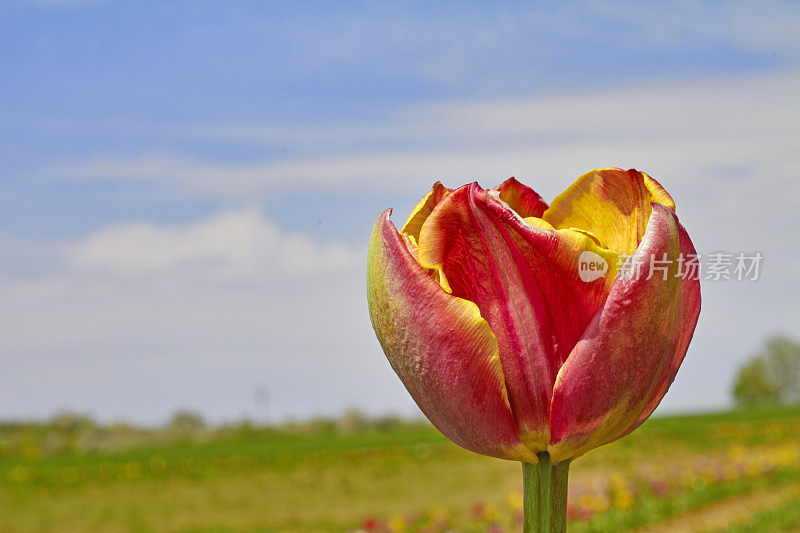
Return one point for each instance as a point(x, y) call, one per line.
point(440, 347)
point(525, 282)
point(612, 203)
point(521, 198)
point(423, 209)
point(624, 363)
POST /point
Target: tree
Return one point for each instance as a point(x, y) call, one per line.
point(69, 422)
point(352, 421)
point(753, 386)
point(772, 376)
point(186, 423)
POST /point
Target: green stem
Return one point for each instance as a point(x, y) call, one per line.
point(544, 486)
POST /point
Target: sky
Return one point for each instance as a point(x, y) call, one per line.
point(187, 189)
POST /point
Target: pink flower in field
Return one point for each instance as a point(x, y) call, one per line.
point(571, 512)
point(576, 512)
point(478, 510)
point(372, 523)
point(659, 488)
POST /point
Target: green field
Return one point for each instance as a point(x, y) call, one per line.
point(737, 471)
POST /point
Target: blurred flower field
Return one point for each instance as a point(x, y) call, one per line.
point(737, 471)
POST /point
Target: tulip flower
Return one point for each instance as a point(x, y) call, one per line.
point(536, 333)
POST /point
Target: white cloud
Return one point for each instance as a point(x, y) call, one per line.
point(771, 27)
point(673, 130)
point(141, 319)
point(239, 246)
point(202, 313)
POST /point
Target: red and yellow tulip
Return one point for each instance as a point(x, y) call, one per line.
point(481, 308)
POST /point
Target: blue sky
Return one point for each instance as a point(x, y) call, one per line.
point(130, 78)
point(167, 131)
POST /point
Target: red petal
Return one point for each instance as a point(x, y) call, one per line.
point(442, 350)
point(629, 355)
point(525, 282)
point(423, 209)
point(521, 198)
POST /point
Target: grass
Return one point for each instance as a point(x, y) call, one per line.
point(652, 510)
point(267, 481)
point(785, 517)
